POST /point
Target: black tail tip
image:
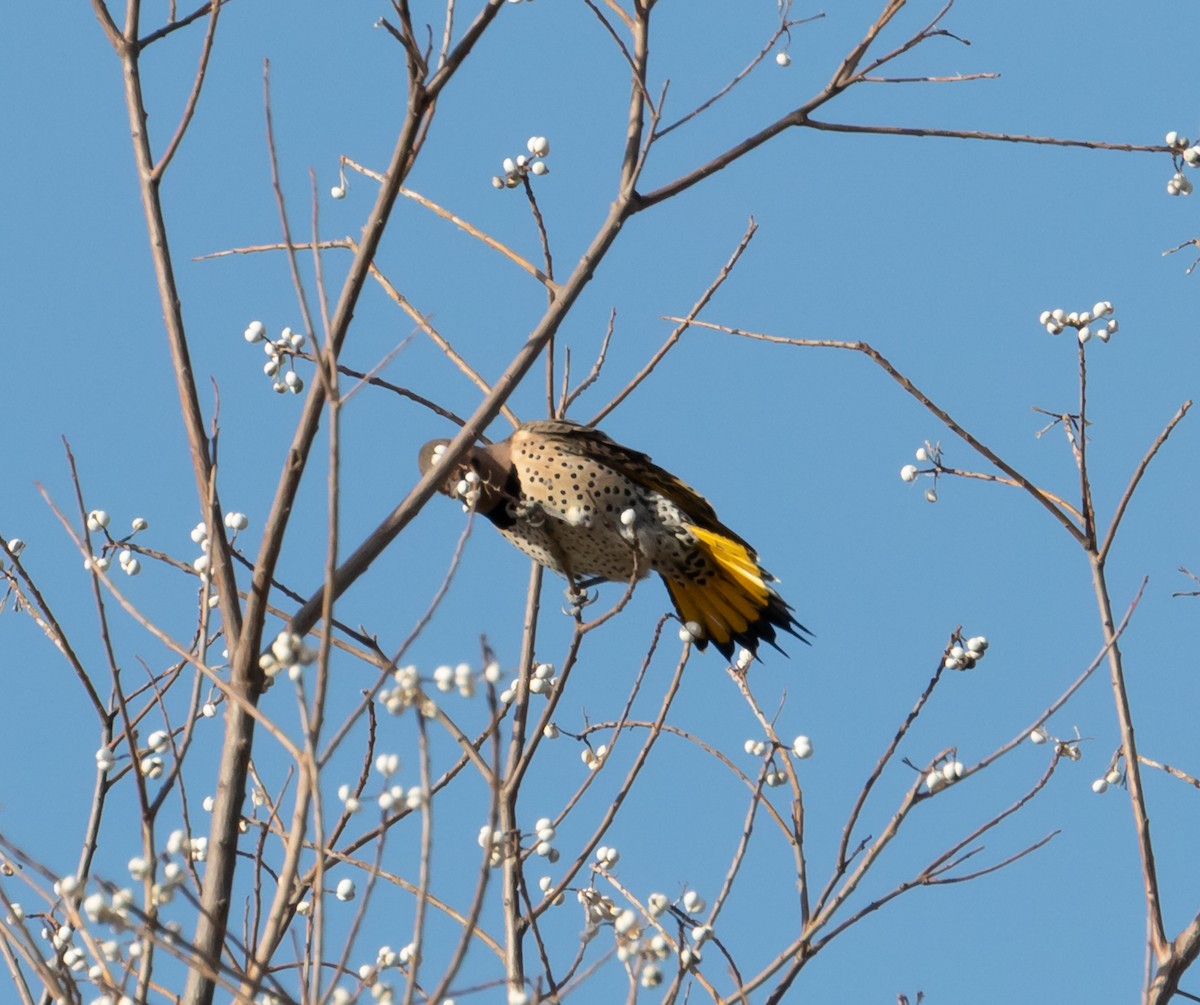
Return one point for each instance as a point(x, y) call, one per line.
point(777, 616)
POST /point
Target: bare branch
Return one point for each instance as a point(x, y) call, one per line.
point(682, 325)
point(567, 400)
point(193, 98)
point(174, 25)
point(976, 134)
point(1136, 477)
point(943, 416)
point(783, 29)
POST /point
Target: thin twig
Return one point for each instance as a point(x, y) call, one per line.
point(954, 78)
point(782, 29)
point(289, 245)
point(843, 859)
point(1063, 698)
point(1136, 477)
point(977, 134)
point(464, 225)
point(440, 341)
point(173, 26)
point(567, 400)
point(682, 324)
point(1183, 776)
point(189, 109)
point(941, 414)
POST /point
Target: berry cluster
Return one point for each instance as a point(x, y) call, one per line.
point(446, 678)
point(1082, 321)
point(288, 652)
point(940, 775)
point(98, 521)
point(640, 944)
point(199, 534)
point(546, 833)
point(801, 748)
point(195, 849)
point(1070, 749)
point(161, 875)
point(468, 489)
point(392, 798)
point(593, 759)
point(546, 885)
point(963, 655)
point(931, 453)
point(114, 908)
point(1113, 777)
point(158, 742)
point(397, 797)
point(493, 841)
point(405, 694)
point(371, 974)
point(408, 692)
point(1063, 748)
point(280, 352)
point(1182, 152)
point(541, 681)
point(517, 169)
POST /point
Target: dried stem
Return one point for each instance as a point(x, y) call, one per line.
point(1136, 477)
point(941, 414)
point(682, 325)
point(568, 399)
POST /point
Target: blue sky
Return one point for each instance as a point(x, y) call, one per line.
point(940, 253)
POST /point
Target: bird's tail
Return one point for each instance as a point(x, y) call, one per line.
point(736, 604)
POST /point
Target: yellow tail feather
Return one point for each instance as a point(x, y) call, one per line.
point(695, 603)
point(735, 599)
point(736, 560)
point(736, 603)
point(732, 602)
point(685, 604)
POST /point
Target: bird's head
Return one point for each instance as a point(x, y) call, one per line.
point(430, 454)
point(478, 479)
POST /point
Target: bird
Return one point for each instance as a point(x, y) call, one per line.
point(590, 509)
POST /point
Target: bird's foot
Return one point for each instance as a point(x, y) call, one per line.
point(578, 598)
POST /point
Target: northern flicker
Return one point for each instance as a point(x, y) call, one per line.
point(584, 506)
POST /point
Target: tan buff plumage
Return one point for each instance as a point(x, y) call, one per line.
point(581, 504)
